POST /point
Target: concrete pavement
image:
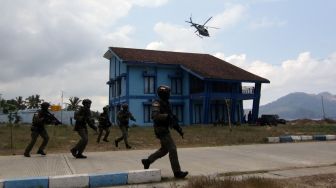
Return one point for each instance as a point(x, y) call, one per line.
point(198, 161)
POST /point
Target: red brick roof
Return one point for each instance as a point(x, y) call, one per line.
point(204, 65)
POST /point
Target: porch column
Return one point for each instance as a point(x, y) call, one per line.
point(233, 109)
point(206, 102)
point(191, 112)
point(256, 101)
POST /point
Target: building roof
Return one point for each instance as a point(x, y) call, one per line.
point(204, 65)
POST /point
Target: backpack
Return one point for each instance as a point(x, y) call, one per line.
point(35, 120)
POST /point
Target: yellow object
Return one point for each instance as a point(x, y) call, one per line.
point(55, 108)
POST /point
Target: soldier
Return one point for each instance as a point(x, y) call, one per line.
point(104, 124)
point(41, 118)
point(163, 119)
point(123, 118)
point(82, 117)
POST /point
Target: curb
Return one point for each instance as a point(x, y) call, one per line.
point(299, 138)
point(85, 180)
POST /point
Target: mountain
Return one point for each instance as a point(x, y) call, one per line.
point(301, 105)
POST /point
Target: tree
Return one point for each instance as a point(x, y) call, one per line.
point(33, 101)
point(20, 103)
point(2, 103)
point(73, 103)
point(9, 106)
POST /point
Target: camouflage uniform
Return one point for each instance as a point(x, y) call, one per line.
point(40, 119)
point(82, 117)
point(123, 117)
point(104, 125)
point(164, 119)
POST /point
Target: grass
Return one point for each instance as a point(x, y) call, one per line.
point(322, 180)
point(252, 182)
point(63, 137)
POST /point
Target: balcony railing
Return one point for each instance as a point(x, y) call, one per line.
point(248, 90)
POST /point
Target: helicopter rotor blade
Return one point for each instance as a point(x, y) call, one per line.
point(207, 20)
point(212, 27)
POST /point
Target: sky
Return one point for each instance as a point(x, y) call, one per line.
point(50, 47)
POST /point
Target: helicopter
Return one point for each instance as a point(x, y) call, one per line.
point(201, 29)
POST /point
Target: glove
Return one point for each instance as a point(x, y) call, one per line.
point(181, 133)
point(57, 123)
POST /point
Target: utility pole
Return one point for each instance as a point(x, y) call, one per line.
point(62, 106)
point(324, 117)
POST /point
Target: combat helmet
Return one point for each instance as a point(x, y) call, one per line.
point(86, 102)
point(45, 106)
point(163, 92)
point(124, 106)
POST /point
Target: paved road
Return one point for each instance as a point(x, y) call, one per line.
point(198, 161)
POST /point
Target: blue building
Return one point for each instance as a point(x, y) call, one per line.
point(204, 89)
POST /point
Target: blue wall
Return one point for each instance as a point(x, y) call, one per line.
point(137, 97)
point(133, 87)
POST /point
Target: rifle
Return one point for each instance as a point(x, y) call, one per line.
point(175, 125)
point(52, 118)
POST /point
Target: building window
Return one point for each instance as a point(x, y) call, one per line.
point(217, 113)
point(149, 84)
point(176, 86)
point(113, 114)
point(196, 85)
point(178, 111)
point(198, 113)
point(113, 94)
point(117, 87)
point(147, 113)
point(221, 87)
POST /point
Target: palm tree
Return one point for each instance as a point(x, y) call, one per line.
point(33, 101)
point(20, 103)
point(73, 103)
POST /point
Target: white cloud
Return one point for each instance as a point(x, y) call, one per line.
point(175, 38)
point(267, 23)
point(87, 80)
point(228, 17)
point(53, 45)
point(122, 36)
point(305, 73)
point(150, 3)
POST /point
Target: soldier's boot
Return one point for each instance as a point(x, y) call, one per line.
point(145, 163)
point(41, 152)
point(128, 146)
point(81, 156)
point(105, 140)
point(180, 174)
point(98, 138)
point(26, 154)
point(116, 143)
point(73, 152)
